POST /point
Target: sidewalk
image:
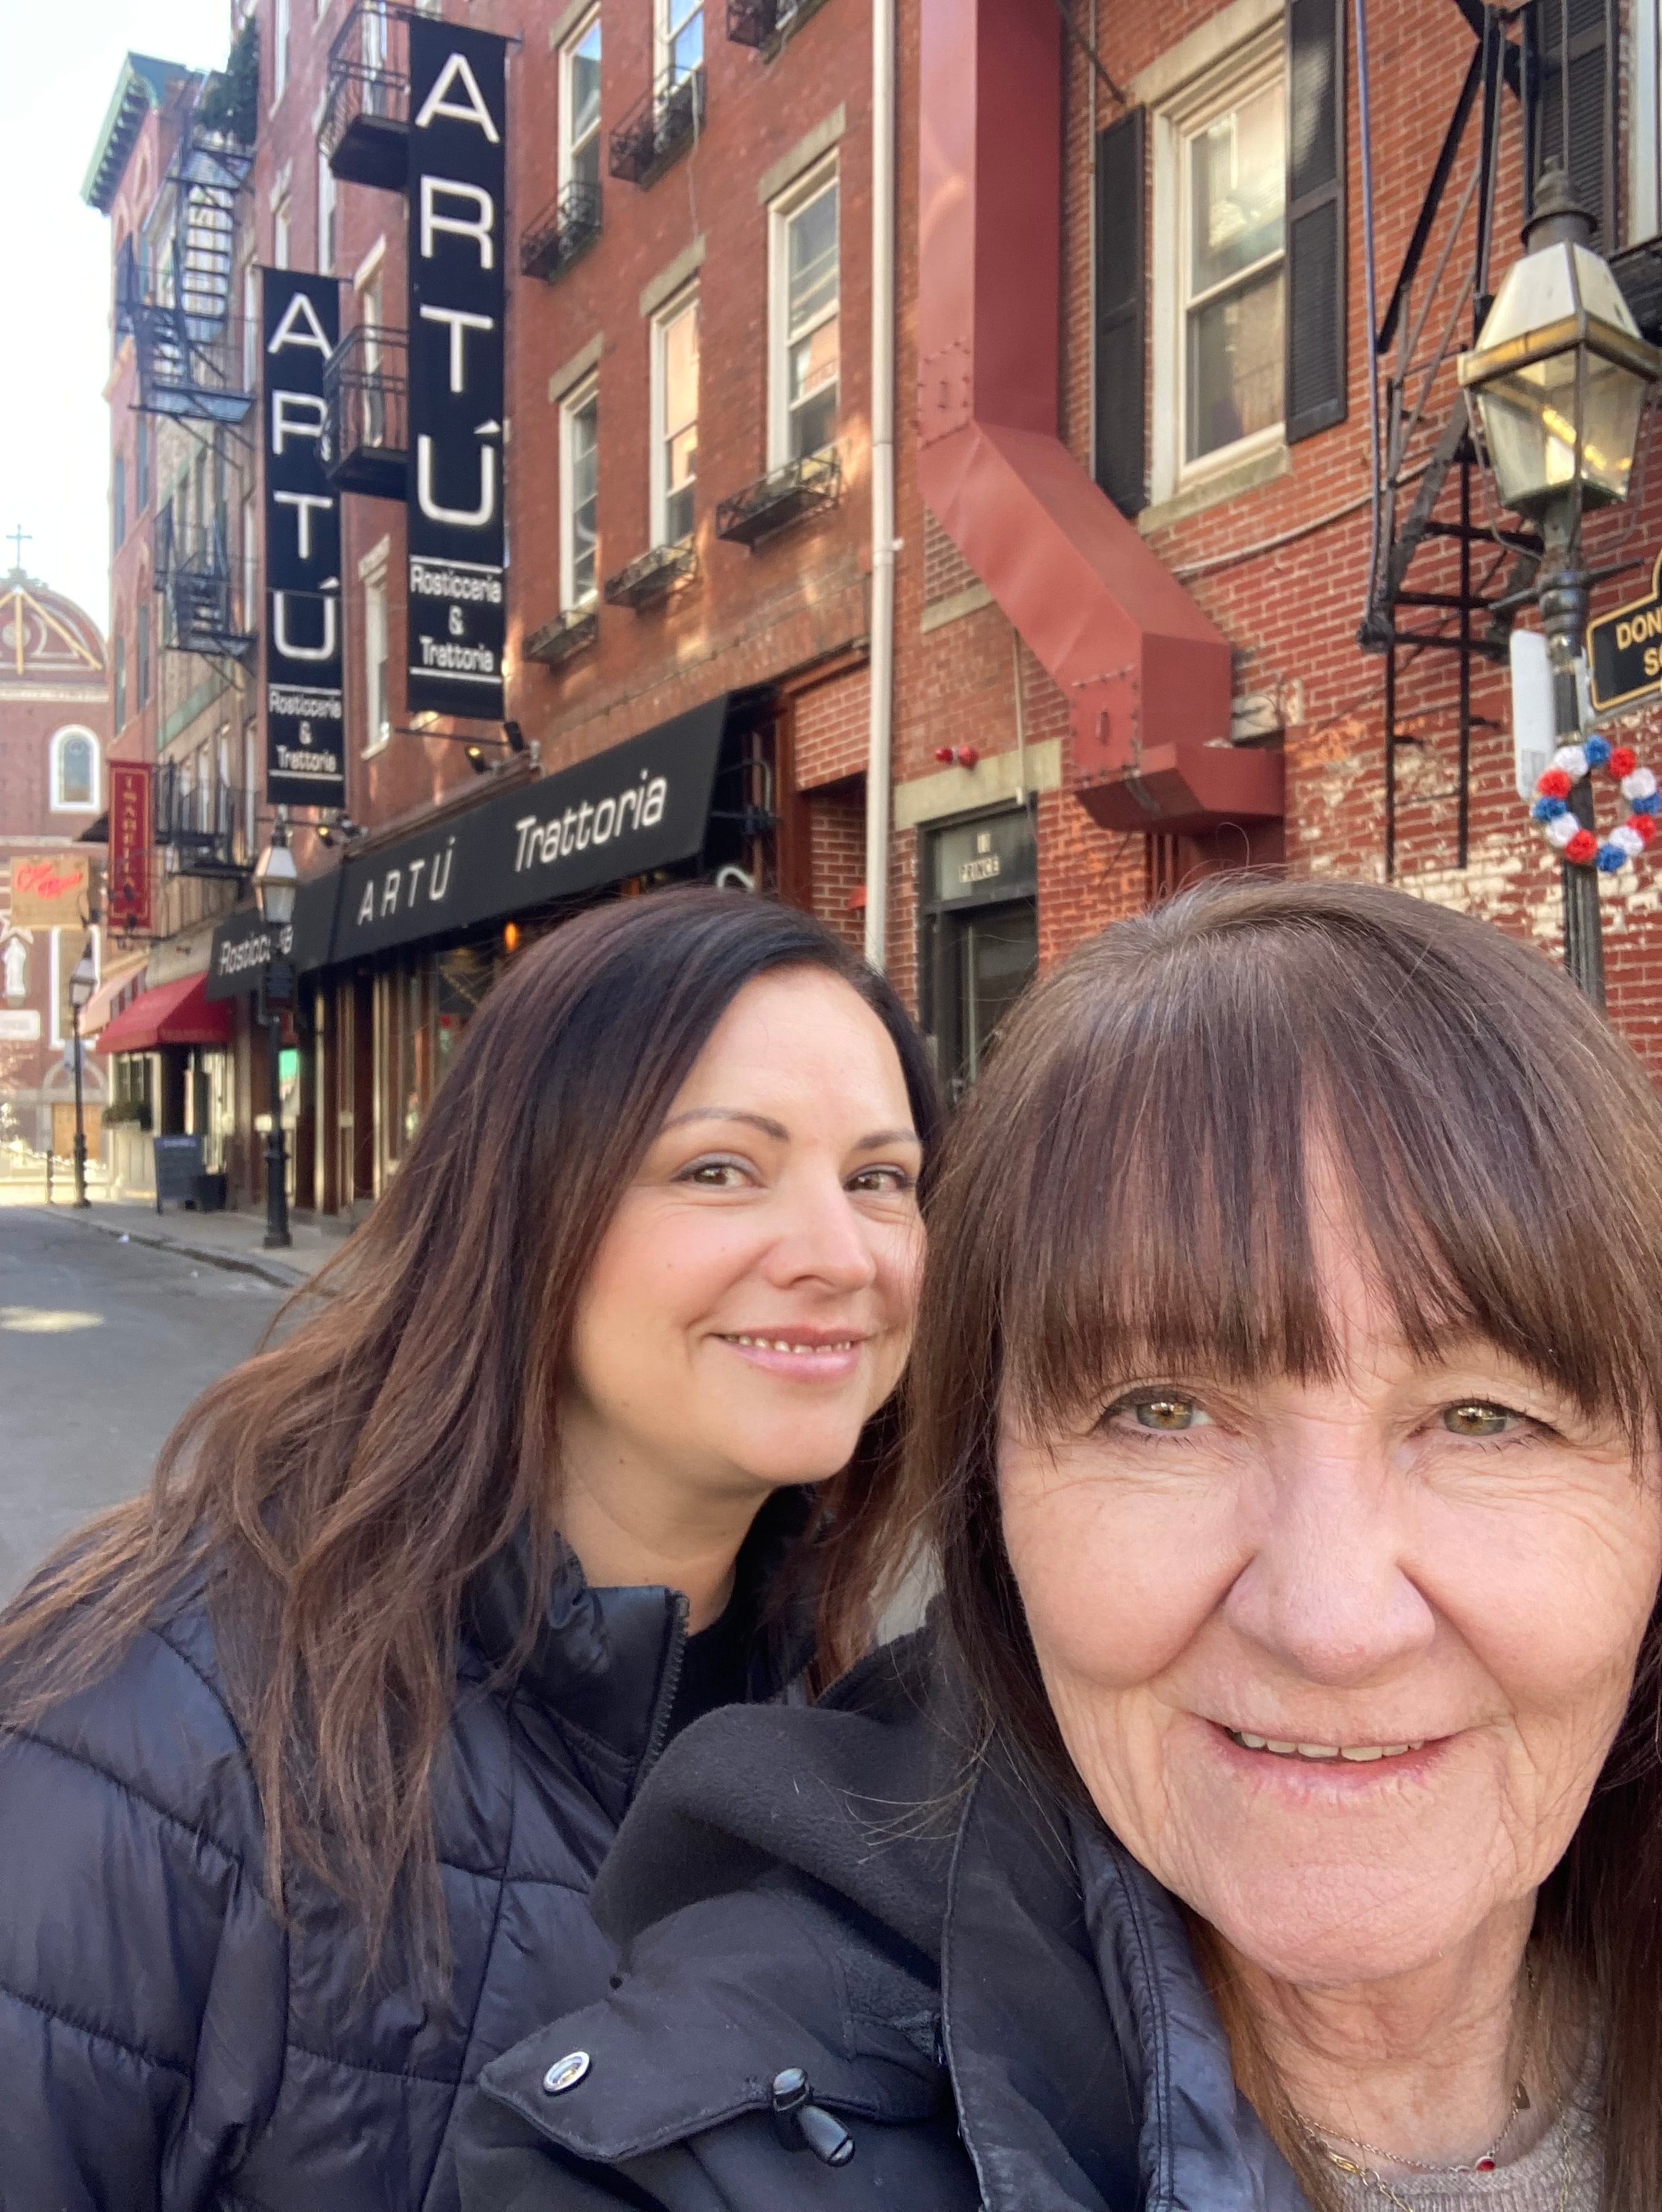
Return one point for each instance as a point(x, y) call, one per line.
point(222, 1240)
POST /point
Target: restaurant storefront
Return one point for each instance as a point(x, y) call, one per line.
point(395, 949)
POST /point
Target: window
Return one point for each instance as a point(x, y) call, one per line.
point(280, 235)
point(580, 106)
point(141, 658)
point(674, 420)
point(680, 37)
point(250, 565)
point(250, 328)
point(806, 347)
point(119, 500)
point(580, 496)
point(377, 723)
point(279, 59)
point(75, 772)
point(326, 215)
point(1234, 174)
point(118, 685)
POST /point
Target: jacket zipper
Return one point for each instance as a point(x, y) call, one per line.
point(664, 1710)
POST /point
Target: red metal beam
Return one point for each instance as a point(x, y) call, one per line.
point(1142, 668)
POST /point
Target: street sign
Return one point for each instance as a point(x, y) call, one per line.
point(1626, 649)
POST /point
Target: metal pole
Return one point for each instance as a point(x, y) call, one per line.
point(1564, 590)
point(277, 1177)
point(81, 1198)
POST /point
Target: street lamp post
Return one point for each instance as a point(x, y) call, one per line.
point(276, 882)
point(1557, 382)
point(84, 981)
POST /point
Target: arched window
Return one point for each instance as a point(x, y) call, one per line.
point(75, 772)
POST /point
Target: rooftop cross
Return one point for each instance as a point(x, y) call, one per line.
point(19, 538)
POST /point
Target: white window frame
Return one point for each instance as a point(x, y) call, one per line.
point(684, 302)
point(281, 234)
point(282, 34)
point(59, 738)
point(781, 211)
point(669, 16)
point(249, 523)
point(571, 405)
point(1644, 126)
point(328, 209)
point(377, 691)
point(1255, 63)
point(566, 152)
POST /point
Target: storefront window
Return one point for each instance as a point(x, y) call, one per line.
point(463, 979)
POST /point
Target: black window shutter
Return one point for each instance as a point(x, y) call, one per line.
point(1316, 373)
point(1589, 142)
point(1121, 467)
point(1315, 218)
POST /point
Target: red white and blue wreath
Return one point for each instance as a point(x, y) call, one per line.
point(1551, 805)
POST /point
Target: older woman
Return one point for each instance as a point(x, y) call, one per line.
point(1271, 1819)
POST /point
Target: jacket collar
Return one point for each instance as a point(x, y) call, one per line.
point(604, 1664)
point(1091, 2070)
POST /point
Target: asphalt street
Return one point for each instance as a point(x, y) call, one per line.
point(102, 1346)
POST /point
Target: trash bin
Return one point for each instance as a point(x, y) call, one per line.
point(211, 1193)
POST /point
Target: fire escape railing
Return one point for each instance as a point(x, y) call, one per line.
point(366, 392)
point(187, 340)
point(198, 823)
point(198, 587)
point(365, 131)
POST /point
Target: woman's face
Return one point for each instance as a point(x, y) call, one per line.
point(751, 1304)
point(1338, 1662)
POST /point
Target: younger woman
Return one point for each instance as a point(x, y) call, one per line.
point(307, 1758)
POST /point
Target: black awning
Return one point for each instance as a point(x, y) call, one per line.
point(243, 946)
point(637, 806)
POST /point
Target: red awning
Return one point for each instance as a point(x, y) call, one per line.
point(172, 1013)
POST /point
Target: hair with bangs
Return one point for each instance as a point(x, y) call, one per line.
point(1134, 1182)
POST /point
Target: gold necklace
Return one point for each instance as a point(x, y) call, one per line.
point(1372, 2180)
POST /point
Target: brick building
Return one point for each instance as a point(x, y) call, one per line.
point(1140, 519)
point(1134, 285)
point(54, 726)
point(170, 170)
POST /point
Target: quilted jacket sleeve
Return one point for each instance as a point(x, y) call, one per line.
point(143, 1978)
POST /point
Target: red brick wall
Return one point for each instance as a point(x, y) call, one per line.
point(836, 846)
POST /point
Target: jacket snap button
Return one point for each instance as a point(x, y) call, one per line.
point(565, 2072)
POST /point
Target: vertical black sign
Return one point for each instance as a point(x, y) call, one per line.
point(305, 724)
point(457, 609)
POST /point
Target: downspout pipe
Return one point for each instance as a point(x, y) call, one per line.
point(1147, 675)
point(879, 744)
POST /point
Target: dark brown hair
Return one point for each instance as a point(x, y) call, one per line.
point(1130, 1183)
point(338, 1491)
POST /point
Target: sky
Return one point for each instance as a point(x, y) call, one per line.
point(58, 66)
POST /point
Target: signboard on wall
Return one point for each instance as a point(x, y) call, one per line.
point(457, 615)
point(128, 867)
point(50, 890)
point(305, 714)
point(1625, 650)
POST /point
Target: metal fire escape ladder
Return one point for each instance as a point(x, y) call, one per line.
point(1437, 555)
point(187, 335)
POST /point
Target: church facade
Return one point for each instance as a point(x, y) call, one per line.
point(54, 727)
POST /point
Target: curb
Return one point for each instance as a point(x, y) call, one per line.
point(273, 1272)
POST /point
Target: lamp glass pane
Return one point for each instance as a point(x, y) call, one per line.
point(1529, 423)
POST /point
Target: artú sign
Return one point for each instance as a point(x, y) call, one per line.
point(1625, 649)
point(457, 606)
point(128, 868)
point(305, 720)
point(50, 890)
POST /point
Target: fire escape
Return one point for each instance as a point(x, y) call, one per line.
point(1450, 571)
point(185, 337)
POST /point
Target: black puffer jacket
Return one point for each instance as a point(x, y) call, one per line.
point(167, 2043)
point(992, 2005)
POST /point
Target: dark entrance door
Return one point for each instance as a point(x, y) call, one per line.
point(980, 927)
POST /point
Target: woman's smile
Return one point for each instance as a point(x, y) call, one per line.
point(796, 1354)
